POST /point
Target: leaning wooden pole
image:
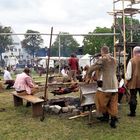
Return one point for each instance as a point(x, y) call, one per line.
point(47, 68)
point(46, 82)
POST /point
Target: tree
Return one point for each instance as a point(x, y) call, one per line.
point(92, 43)
point(67, 44)
point(135, 29)
point(135, 33)
point(32, 43)
point(5, 40)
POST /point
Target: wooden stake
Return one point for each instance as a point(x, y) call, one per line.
point(47, 68)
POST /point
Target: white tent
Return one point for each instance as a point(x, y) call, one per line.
point(85, 60)
point(52, 61)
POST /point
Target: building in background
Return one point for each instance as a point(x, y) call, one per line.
point(15, 53)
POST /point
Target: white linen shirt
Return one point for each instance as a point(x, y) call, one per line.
point(7, 75)
point(128, 74)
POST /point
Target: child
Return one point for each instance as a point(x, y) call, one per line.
point(65, 74)
point(121, 89)
point(84, 72)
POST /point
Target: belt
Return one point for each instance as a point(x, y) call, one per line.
point(21, 91)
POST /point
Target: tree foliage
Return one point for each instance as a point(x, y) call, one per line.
point(135, 32)
point(32, 43)
point(5, 40)
point(92, 44)
point(67, 45)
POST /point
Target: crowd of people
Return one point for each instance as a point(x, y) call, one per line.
point(110, 89)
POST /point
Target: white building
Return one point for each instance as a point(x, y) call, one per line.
point(15, 52)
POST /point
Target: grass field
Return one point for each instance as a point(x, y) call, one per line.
point(18, 124)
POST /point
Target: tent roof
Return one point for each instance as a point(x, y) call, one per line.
point(86, 56)
point(54, 58)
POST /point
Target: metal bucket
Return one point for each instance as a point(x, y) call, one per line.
point(87, 94)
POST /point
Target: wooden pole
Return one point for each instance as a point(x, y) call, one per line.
point(124, 37)
point(47, 68)
point(93, 34)
point(59, 51)
point(131, 32)
point(114, 27)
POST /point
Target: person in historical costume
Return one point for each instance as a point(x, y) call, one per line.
point(74, 67)
point(24, 83)
point(65, 74)
point(8, 78)
point(107, 91)
point(133, 80)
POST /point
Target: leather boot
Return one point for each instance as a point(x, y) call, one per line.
point(113, 122)
point(132, 110)
point(104, 118)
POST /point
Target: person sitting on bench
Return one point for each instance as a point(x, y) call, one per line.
point(8, 78)
point(24, 83)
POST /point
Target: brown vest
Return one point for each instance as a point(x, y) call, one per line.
point(134, 82)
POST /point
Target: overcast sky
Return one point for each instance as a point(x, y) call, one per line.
point(73, 16)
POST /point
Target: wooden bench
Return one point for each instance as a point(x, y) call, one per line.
point(1, 86)
point(35, 101)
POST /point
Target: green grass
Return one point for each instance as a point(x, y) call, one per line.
point(17, 124)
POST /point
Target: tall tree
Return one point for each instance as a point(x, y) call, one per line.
point(5, 40)
point(92, 43)
point(32, 43)
point(67, 45)
point(135, 29)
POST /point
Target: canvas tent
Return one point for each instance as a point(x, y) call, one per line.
point(85, 60)
point(53, 61)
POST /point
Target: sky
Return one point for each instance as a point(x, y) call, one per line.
point(73, 16)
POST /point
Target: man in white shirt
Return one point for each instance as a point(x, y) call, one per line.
point(133, 80)
point(65, 74)
point(8, 78)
